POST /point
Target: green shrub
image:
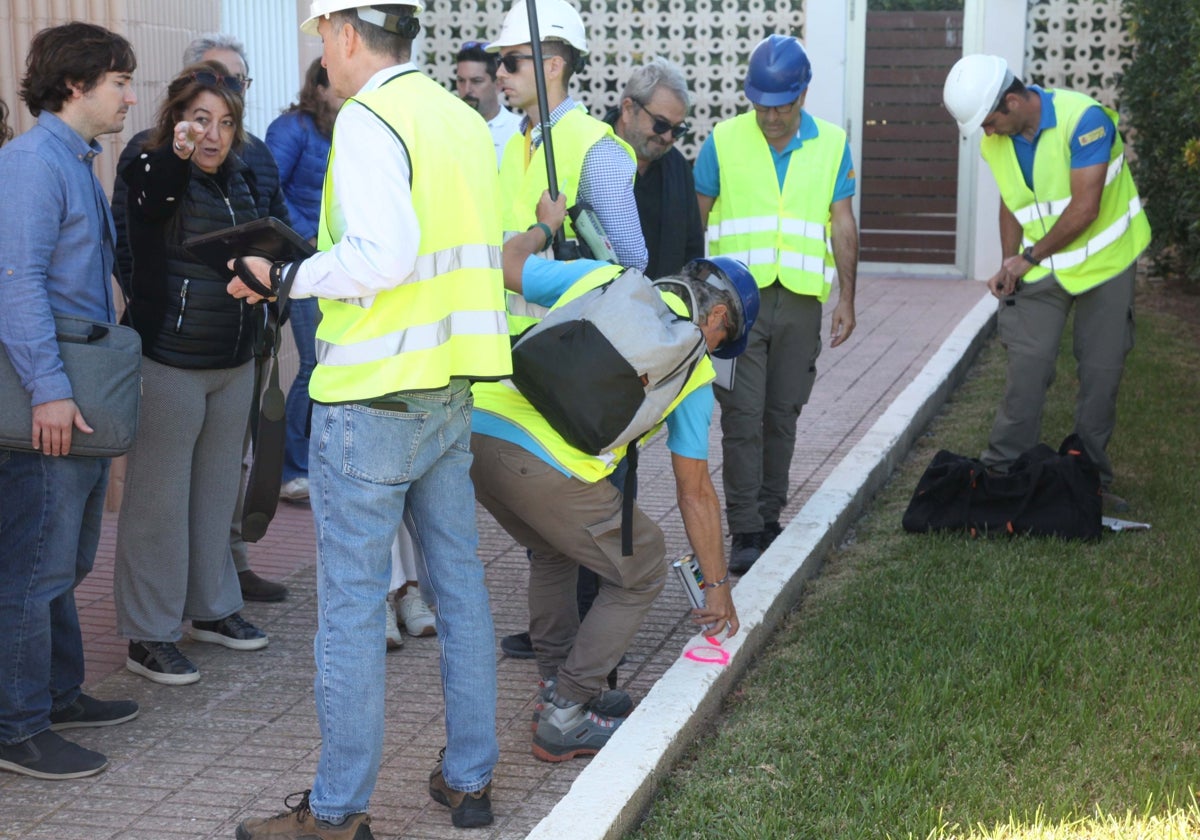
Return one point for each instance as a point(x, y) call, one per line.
point(1161, 92)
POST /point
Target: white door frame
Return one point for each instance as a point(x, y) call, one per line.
point(835, 38)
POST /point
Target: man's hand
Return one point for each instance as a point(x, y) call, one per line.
point(262, 272)
point(1004, 282)
point(843, 322)
point(718, 612)
point(552, 213)
point(52, 425)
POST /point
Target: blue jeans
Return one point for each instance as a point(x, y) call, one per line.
point(303, 315)
point(49, 530)
point(368, 466)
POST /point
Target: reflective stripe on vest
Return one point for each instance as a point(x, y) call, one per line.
point(777, 233)
point(446, 318)
point(503, 400)
point(523, 181)
point(1119, 232)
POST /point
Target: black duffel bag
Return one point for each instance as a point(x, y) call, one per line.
point(1044, 493)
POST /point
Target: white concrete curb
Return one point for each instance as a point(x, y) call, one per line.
point(610, 795)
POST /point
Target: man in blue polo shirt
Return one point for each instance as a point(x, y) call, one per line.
point(777, 156)
point(1070, 212)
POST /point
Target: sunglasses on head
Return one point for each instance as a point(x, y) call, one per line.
point(470, 45)
point(663, 126)
point(237, 84)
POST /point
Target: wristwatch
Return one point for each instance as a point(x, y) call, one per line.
point(1027, 255)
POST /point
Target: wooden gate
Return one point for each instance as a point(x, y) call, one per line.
point(909, 167)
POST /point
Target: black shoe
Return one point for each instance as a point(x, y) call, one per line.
point(161, 662)
point(770, 531)
point(255, 588)
point(88, 711)
point(467, 810)
point(747, 548)
point(517, 646)
point(50, 756)
point(232, 631)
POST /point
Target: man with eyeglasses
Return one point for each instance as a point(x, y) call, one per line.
point(651, 117)
point(775, 187)
point(475, 83)
point(229, 51)
point(593, 166)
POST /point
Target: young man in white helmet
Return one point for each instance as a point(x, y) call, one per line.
point(592, 165)
point(771, 183)
point(412, 310)
point(1071, 230)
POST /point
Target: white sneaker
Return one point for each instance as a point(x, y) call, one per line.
point(295, 490)
point(415, 614)
point(395, 640)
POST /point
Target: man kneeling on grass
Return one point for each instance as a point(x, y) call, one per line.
point(552, 496)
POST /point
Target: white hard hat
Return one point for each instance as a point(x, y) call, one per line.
point(557, 20)
point(318, 9)
point(973, 89)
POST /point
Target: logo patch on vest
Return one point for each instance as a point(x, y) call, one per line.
point(1092, 136)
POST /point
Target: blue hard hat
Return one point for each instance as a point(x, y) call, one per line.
point(779, 71)
point(736, 278)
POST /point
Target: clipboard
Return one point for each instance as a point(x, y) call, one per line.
point(268, 238)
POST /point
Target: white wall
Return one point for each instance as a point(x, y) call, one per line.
point(271, 31)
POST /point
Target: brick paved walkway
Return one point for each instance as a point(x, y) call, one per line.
point(201, 758)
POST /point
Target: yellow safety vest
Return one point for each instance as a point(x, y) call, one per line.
point(782, 234)
point(503, 400)
point(523, 179)
point(446, 319)
point(1110, 243)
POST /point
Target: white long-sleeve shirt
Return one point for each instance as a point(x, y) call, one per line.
point(372, 209)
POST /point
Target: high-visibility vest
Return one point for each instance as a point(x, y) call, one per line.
point(523, 178)
point(503, 400)
point(1110, 243)
point(446, 319)
point(777, 233)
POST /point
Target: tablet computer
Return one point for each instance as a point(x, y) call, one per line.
point(268, 238)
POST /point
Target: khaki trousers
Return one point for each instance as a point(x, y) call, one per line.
point(567, 523)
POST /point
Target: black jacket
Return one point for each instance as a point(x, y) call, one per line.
point(666, 201)
point(180, 307)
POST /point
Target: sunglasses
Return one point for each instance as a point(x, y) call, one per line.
point(237, 84)
point(663, 126)
point(470, 45)
point(512, 62)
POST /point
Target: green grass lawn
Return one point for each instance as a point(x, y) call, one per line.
point(934, 687)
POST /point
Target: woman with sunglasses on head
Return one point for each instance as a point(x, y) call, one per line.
point(173, 561)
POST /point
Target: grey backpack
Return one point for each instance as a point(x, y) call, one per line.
point(604, 367)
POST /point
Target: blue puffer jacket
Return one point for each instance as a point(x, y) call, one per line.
point(302, 153)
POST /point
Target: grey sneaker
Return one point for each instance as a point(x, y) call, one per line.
point(161, 662)
point(566, 730)
point(48, 755)
point(612, 703)
point(232, 631)
point(299, 823)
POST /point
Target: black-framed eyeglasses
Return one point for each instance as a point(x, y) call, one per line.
point(512, 62)
point(664, 126)
point(237, 84)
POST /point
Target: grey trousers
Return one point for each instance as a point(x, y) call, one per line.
point(172, 559)
point(774, 379)
point(1031, 324)
point(567, 523)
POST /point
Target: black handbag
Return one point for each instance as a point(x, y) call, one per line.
point(1044, 493)
point(104, 365)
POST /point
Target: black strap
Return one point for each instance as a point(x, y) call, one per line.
point(628, 492)
point(269, 426)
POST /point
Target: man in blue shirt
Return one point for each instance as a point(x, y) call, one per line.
point(779, 230)
point(56, 257)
